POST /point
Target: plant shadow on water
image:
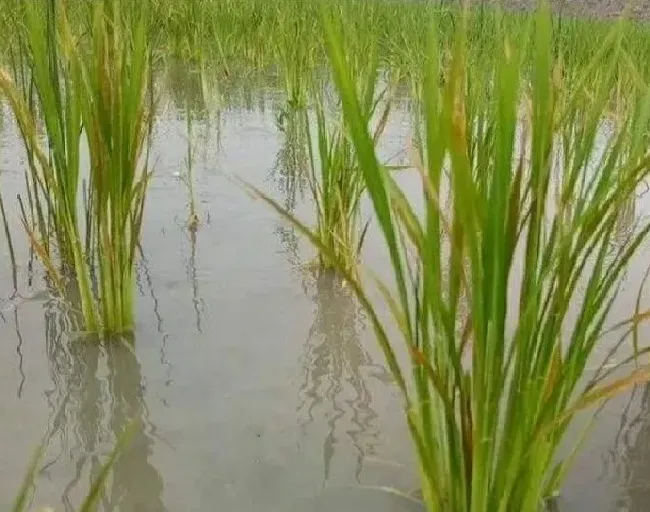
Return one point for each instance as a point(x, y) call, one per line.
point(98, 390)
point(335, 365)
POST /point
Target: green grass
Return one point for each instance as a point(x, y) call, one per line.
point(113, 78)
point(254, 38)
point(502, 284)
point(295, 61)
point(334, 177)
point(336, 188)
point(494, 377)
point(98, 81)
point(244, 37)
point(336, 181)
point(44, 92)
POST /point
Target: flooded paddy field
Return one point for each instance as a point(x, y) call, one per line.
point(257, 385)
point(360, 255)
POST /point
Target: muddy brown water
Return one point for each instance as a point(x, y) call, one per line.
point(257, 387)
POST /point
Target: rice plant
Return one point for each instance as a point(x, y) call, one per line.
point(99, 82)
point(501, 300)
point(333, 176)
point(336, 186)
point(295, 59)
point(114, 80)
point(44, 92)
point(335, 179)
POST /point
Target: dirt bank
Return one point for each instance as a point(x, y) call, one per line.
point(639, 9)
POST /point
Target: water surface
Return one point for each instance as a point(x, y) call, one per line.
point(257, 385)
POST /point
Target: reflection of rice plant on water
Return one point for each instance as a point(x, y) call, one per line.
point(193, 219)
point(292, 161)
point(89, 409)
point(289, 175)
point(632, 448)
point(336, 365)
